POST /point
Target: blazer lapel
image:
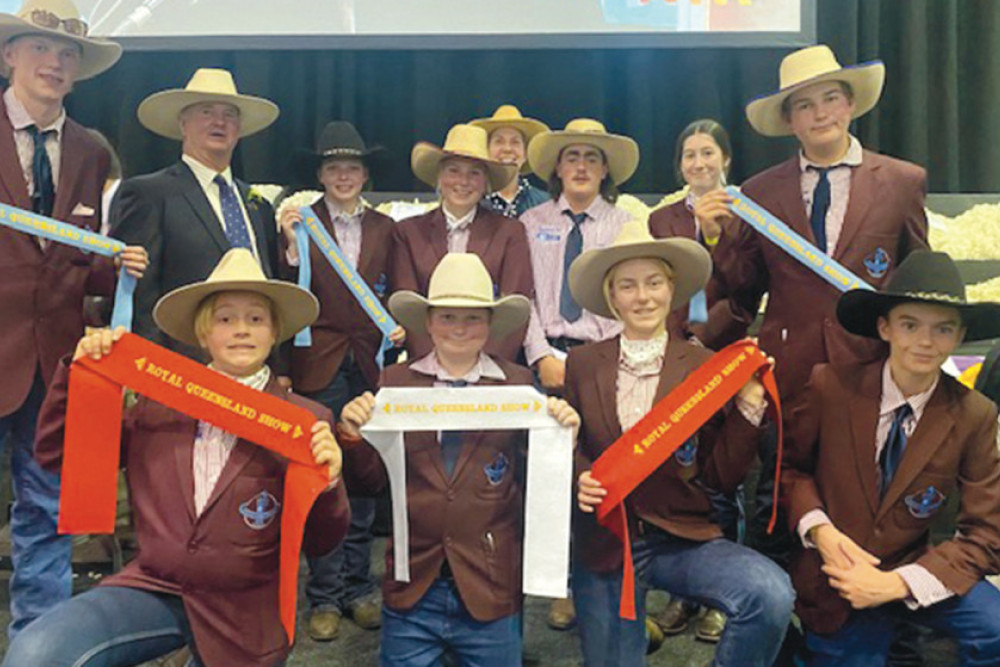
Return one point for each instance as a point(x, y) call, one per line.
point(367, 244)
point(436, 233)
point(481, 233)
point(788, 192)
point(674, 369)
point(71, 169)
point(257, 222)
point(934, 426)
point(196, 198)
point(184, 457)
point(863, 416)
point(11, 175)
point(864, 187)
point(607, 384)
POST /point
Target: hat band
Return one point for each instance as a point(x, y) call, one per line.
point(470, 297)
point(341, 151)
point(936, 296)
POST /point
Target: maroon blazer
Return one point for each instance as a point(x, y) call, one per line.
point(421, 241)
point(884, 223)
point(727, 322)
point(673, 497)
point(342, 324)
point(830, 465)
point(470, 522)
point(41, 294)
point(225, 571)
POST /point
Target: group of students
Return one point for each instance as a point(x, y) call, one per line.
point(501, 284)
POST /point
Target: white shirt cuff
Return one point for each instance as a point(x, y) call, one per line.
point(925, 588)
point(810, 520)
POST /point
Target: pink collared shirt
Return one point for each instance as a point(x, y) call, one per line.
point(839, 176)
point(19, 120)
point(548, 226)
point(458, 229)
point(485, 367)
point(347, 230)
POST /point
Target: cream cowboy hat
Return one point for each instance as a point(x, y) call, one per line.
point(465, 141)
point(805, 67)
point(508, 115)
point(691, 264)
point(59, 19)
point(460, 280)
point(160, 112)
point(237, 271)
point(621, 152)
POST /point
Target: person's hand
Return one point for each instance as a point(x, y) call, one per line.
point(290, 217)
point(752, 393)
point(397, 336)
point(590, 492)
point(134, 258)
point(284, 382)
point(865, 586)
point(712, 210)
point(838, 550)
point(325, 449)
point(552, 372)
point(98, 344)
point(356, 414)
point(564, 414)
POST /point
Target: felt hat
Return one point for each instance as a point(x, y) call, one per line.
point(237, 271)
point(805, 67)
point(160, 112)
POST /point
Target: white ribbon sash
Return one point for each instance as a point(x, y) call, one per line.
point(486, 408)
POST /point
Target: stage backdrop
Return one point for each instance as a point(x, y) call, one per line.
point(940, 107)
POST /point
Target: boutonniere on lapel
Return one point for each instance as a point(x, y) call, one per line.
point(256, 198)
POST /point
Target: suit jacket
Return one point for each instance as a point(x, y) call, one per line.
point(727, 321)
point(225, 571)
point(421, 241)
point(884, 223)
point(830, 465)
point(42, 291)
point(673, 498)
point(475, 525)
point(168, 213)
point(342, 324)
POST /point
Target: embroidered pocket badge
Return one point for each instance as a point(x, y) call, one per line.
point(877, 263)
point(923, 504)
point(259, 511)
point(687, 452)
point(496, 469)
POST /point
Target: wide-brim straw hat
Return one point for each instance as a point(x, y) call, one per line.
point(460, 280)
point(160, 112)
point(805, 67)
point(622, 152)
point(923, 277)
point(54, 18)
point(508, 115)
point(691, 265)
point(237, 271)
point(463, 141)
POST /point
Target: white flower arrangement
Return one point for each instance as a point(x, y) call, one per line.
point(298, 200)
point(988, 290)
point(973, 234)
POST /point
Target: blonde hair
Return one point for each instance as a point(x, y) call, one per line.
point(203, 322)
point(609, 278)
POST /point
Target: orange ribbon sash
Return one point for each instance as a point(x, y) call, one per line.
point(93, 436)
point(643, 448)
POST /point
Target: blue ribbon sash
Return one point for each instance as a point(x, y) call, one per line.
point(311, 227)
point(794, 244)
point(83, 239)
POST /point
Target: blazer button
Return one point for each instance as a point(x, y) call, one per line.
point(192, 546)
point(448, 540)
point(451, 494)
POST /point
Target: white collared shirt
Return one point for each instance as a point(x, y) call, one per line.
point(19, 120)
point(205, 176)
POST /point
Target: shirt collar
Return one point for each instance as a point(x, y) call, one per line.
point(484, 368)
point(455, 224)
point(20, 119)
point(256, 381)
point(892, 395)
point(597, 209)
point(337, 212)
point(522, 186)
point(205, 174)
point(852, 158)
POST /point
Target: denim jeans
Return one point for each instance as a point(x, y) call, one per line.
point(105, 626)
point(973, 620)
point(439, 621)
point(753, 592)
point(42, 576)
point(344, 575)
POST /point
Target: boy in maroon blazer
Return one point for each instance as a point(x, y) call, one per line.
point(51, 166)
point(464, 489)
point(873, 453)
point(207, 505)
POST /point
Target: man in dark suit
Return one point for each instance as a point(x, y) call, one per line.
point(53, 167)
point(188, 215)
point(874, 452)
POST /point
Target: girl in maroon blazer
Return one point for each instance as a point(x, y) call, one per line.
point(677, 546)
point(207, 505)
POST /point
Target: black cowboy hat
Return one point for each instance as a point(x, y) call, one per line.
point(923, 277)
point(339, 139)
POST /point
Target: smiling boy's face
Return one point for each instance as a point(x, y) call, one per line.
point(241, 333)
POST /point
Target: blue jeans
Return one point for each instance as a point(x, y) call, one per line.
point(344, 575)
point(42, 576)
point(973, 620)
point(419, 637)
point(107, 626)
point(753, 592)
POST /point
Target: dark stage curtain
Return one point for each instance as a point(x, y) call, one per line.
point(939, 108)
